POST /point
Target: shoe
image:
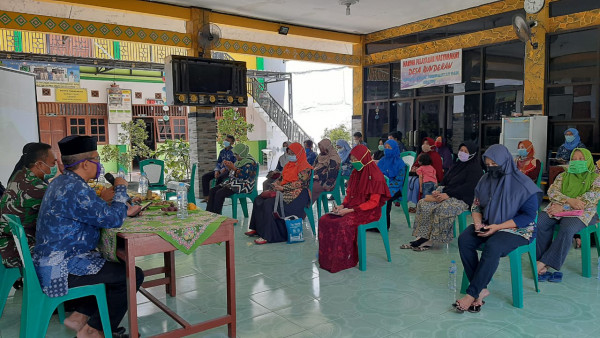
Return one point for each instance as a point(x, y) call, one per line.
point(251, 233)
point(556, 277)
point(545, 276)
point(260, 241)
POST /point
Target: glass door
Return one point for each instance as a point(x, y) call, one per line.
point(429, 119)
point(401, 119)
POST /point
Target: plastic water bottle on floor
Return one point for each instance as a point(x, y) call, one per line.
point(452, 276)
point(182, 212)
point(143, 187)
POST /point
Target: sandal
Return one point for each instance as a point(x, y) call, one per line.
point(406, 246)
point(457, 308)
point(251, 233)
point(414, 244)
point(476, 308)
point(556, 277)
point(544, 277)
point(260, 241)
point(422, 248)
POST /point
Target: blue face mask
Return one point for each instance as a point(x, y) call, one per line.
point(569, 138)
point(226, 144)
point(292, 158)
point(522, 152)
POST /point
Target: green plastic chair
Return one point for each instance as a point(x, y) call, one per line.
point(462, 222)
point(586, 245)
point(37, 307)
point(404, 201)
point(309, 210)
point(324, 197)
point(242, 198)
point(8, 277)
point(381, 225)
point(516, 272)
point(342, 183)
point(191, 195)
point(154, 183)
point(539, 179)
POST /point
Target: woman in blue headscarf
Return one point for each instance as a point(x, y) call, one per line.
point(504, 211)
point(344, 149)
point(572, 141)
point(394, 168)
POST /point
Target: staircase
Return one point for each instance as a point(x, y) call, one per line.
point(264, 100)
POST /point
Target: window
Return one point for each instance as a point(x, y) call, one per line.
point(179, 129)
point(574, 57)
point(463, 112)
point(77, 126)
point(164, 130)
point(497, 105)
point(504, 67)
point(564, 7)
point(98, 129)
point(377, 83)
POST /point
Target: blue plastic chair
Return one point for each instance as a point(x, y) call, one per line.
point(242, 198)
point(309, 210)
point(8, 277)
point(37, 307)
point(381, 225)
point(404, 200)
point(324, 197)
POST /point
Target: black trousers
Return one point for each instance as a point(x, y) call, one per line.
point(216, 198)
point(112, 275)
point(206, 178)
point(388, 207)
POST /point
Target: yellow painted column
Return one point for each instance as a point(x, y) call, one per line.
point(357, 80)
point(535, 62)
point(198, 17)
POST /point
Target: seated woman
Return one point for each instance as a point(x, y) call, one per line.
point(504, 210)
point(273, 175)
point(436, 213)
point(343, 149)
point(23, 197)
point(526, 163)
point(327, 167)
point(445, 153)
point(577, 192)
point(572, 141)
point(242, 178)
point(394, 168)
point(378, 155)
point(293, 183)
point(436, 161)
point(367, 192)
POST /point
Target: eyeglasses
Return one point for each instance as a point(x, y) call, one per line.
point(97, 158)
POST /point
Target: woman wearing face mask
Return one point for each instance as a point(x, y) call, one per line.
point(436, 161)
point(327, 167)
point(526, 163)
point(445, 153)
point(435, 216)
point(504, 210)
point(273, 175)
point(23, 196)
point(573, 197)
point(393, 167)
point(293, 183)
point(572, 141)
point(378, 155)
point(344, 149)
point(367, 192)
point(242, 178)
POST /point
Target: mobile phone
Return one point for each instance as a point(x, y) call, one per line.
point(483, 230)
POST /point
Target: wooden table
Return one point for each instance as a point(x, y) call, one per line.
point(132, 245)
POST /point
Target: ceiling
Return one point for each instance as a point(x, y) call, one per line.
point(366, 17)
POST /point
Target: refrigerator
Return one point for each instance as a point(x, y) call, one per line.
point(533, 128)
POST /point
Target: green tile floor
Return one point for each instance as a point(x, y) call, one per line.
point(281, 292)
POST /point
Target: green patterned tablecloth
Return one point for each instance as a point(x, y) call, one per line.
point(184, 234)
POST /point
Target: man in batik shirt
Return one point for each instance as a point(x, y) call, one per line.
point(68, 231)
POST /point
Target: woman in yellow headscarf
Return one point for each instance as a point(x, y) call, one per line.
point(573, 197)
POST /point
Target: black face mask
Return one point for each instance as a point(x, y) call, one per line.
point(495, 171)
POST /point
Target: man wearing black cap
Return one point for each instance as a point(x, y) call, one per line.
point(70, 219)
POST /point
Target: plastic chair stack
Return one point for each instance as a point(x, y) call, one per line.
point(409, 158)
point(37, 307)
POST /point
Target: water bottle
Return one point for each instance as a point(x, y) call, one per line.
point(121, 173)
point(143, 187)
point(101, 178)
point(598, 265)
point(452, 276)
point(182, 212)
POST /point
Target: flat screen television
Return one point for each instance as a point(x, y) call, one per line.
point(194, 81)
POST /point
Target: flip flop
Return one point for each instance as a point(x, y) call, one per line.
point(476, 308)
point(545, 276)
point(422, 248)
point(556, 277)
point(457, 308)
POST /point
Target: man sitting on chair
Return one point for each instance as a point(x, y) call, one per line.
point(221, 172)
point(68, 230)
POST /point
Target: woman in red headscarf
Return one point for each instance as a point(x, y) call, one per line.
point(526, 163)
point(436, 160)
point(367, 192)
point(293, 184)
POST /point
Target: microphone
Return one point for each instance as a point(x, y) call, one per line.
point(111, 179)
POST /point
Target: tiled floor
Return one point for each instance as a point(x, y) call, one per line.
point(281, 292)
